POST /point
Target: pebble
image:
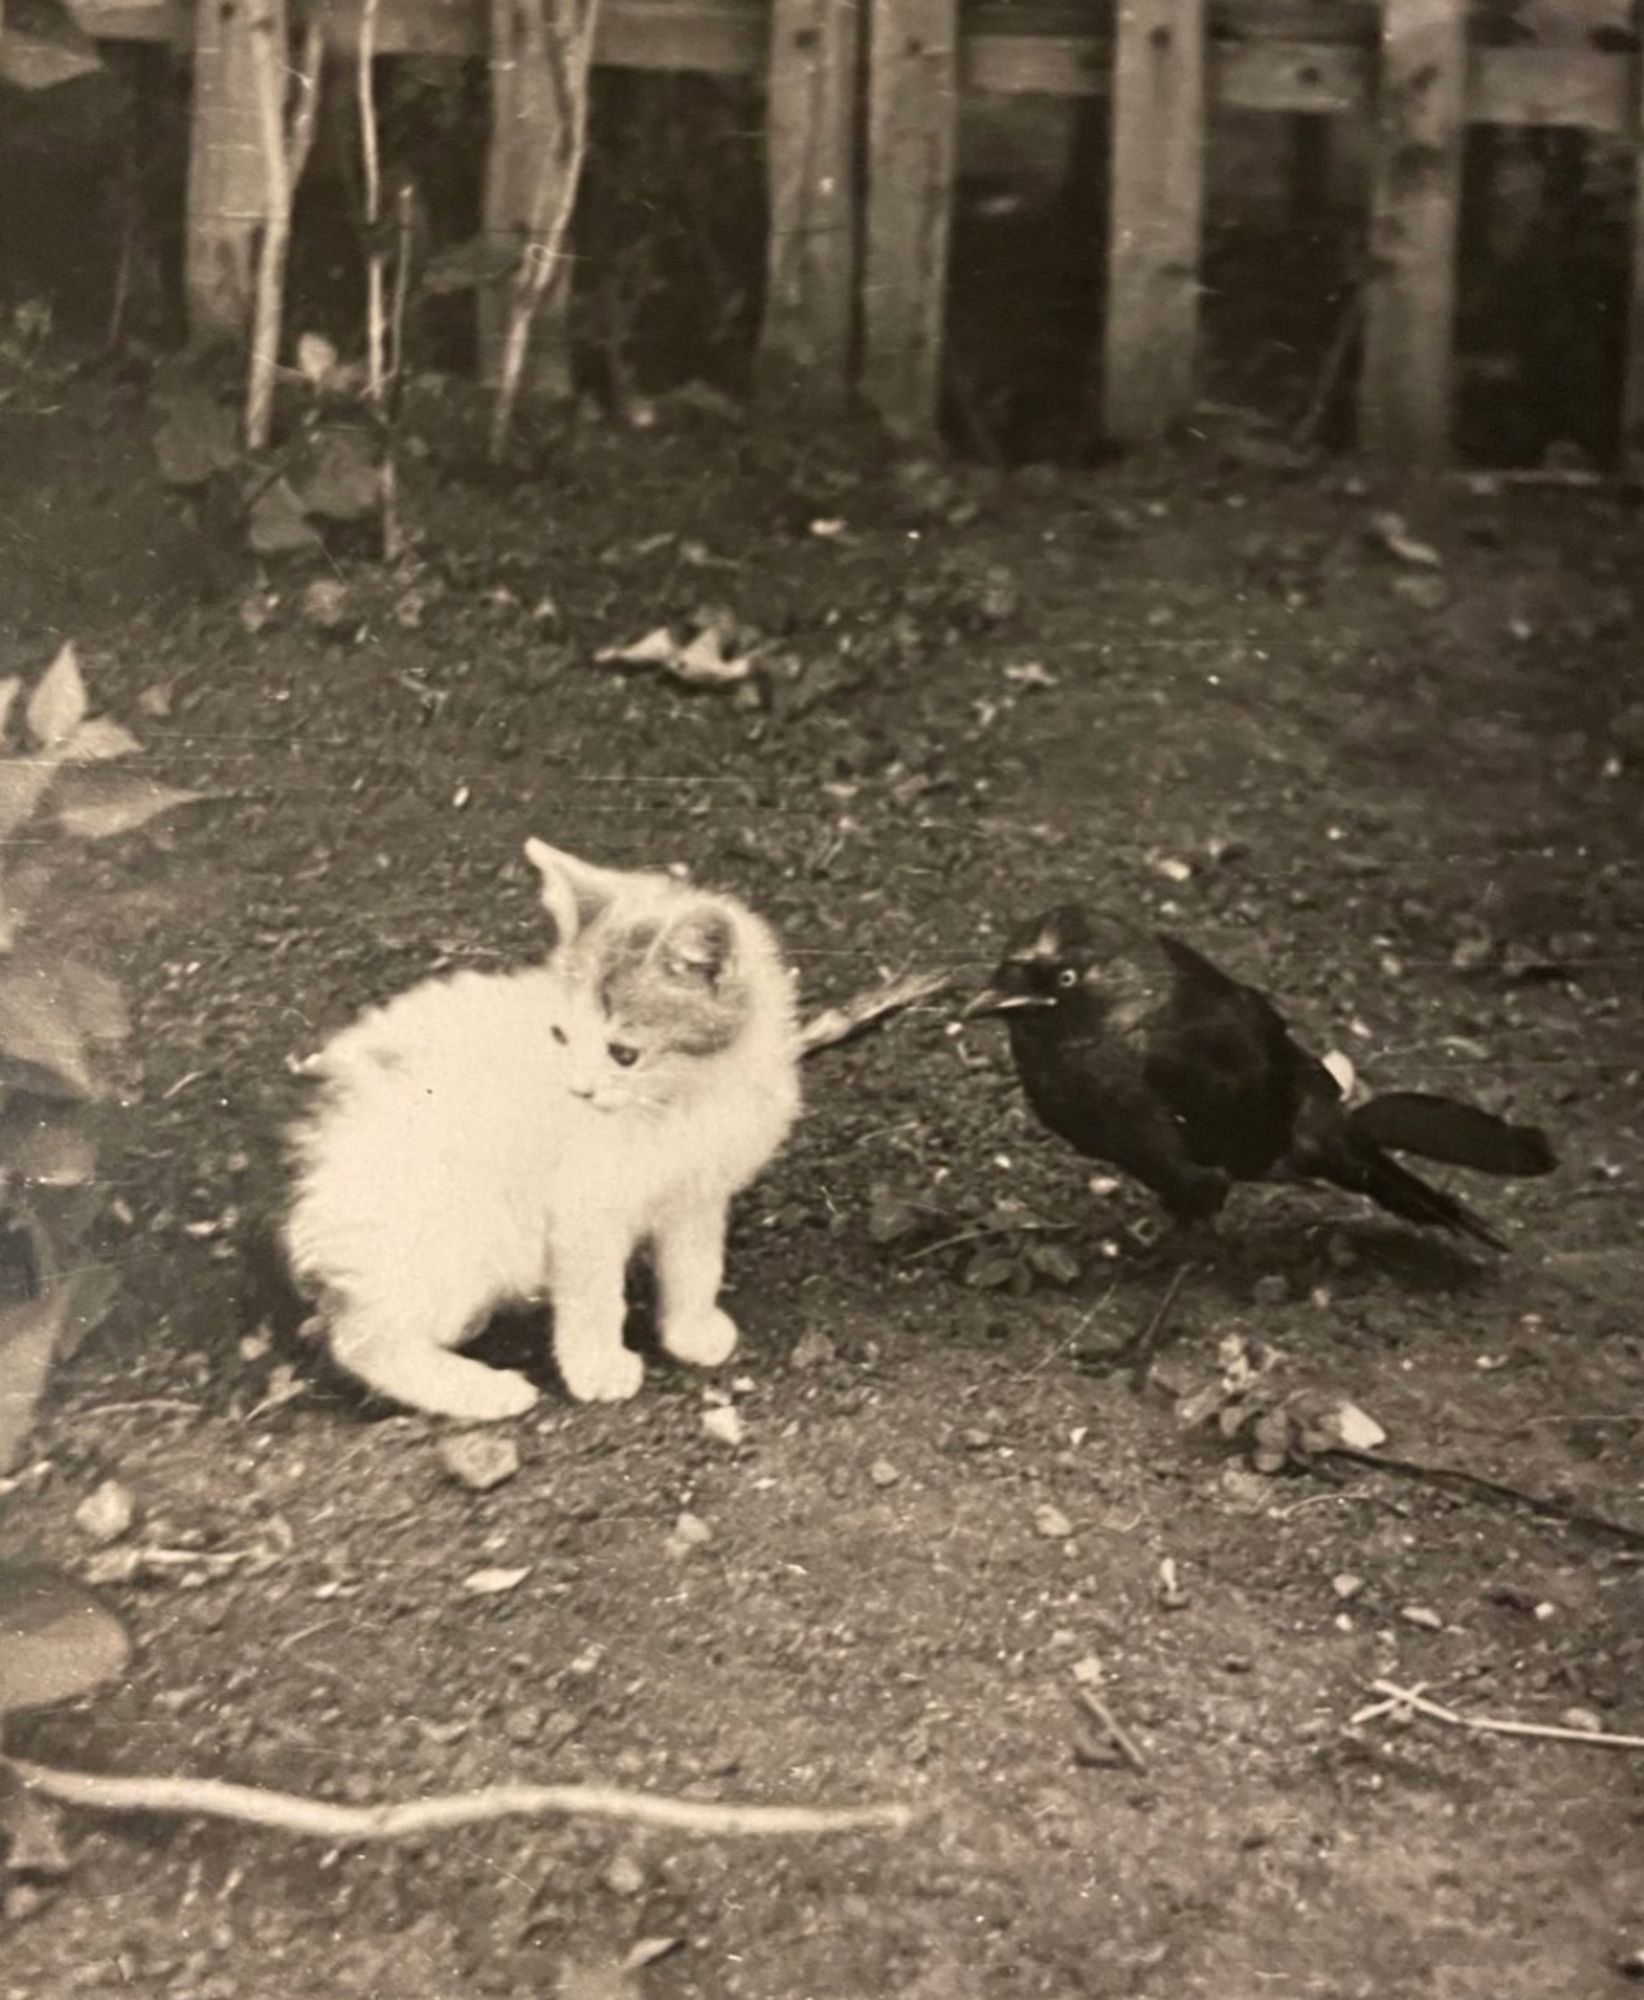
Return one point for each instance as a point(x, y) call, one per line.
point(1052, 1523)
point(723, 1425)
point(1347, 1586)
point(883, 1473)
point(107, 1512)
point(811, 1350)
point(1581, 1718)
point(624, 1877)
point(522, 1724)
point(1422, 1615)
point(690, 1532)
point(479, 1460)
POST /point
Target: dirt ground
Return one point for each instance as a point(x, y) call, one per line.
point(1405, 798)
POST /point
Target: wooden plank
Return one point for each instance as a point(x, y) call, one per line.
point(1564, 86)
point(1415, 210)
point(227, 189)
point(712, 37)
point(1325, 78)
point(1150, 344)
point(913, 102)
point(529, 139)
point(811, 172)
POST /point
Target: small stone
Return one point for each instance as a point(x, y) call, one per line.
point(690, 1532)
point(114, 1566)
point(479, 1460)
point(1088, 1671)
point(1582, 1718)
point(1051, 1523)
point(1630, 1964)
point(723, 1425)
point(975, 1440)
point(883, 1473)
point(106, 1513)
point(811, 1350)
point(22, 1900)
point(1347, 1586)
point(1357, 1429)
point(624, 1877)
point(558, 1727)
point(1421, 1615)
point(1171, 1594)
point(522, 1724)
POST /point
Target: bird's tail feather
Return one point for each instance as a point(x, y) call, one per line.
point(1367, 1170)
point(1459, 1135)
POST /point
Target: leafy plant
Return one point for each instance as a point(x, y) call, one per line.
point(59, 1019)
point(998, 1246)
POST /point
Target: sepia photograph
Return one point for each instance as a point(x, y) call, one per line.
point(821, 999)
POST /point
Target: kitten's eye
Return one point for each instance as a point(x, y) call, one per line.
point(1067, 976)
point(623, 1054)
point(559, 1034)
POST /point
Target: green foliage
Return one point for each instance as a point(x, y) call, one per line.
point(59, 1018)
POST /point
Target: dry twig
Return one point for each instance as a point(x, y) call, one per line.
point(1567, 1511)
point(286, 1812)
point(838, 1024)
point(1111, 1728)
point(1412, 1698)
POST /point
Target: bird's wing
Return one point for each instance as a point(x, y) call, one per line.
point(1223, 1057)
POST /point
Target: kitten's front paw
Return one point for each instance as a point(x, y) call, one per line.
point(611, 1375)
point(704, 1342)
point(485, 1396)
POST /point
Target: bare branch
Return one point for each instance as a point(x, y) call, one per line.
point(320, 1819)
point(839, 1024)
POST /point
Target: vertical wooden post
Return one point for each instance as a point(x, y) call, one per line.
point(1150, 351)
point(1632, 387)
point(811, 172)
point(1415, 209)
point(227, 184)
point(527, 132)
point(913, 112)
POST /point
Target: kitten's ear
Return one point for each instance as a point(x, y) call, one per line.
point(573, 892)
point(700, 946)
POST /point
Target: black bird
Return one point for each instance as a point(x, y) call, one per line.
point(1158, 1063)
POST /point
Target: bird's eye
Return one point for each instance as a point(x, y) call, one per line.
point(1067, 976)
point(623, 1054)
point(559, 1034)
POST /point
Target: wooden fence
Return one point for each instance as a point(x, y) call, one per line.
point(863, 104)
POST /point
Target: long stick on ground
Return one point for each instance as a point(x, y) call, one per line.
point(288, 1812)
point(1486, 1724)
point(838, 1024)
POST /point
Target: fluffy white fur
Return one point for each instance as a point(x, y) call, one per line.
point(478, 1141)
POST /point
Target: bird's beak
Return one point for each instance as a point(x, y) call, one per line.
point(995, 1000)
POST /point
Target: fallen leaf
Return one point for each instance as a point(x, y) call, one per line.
point(57, 707)
point(494, 1582)
point(57, 1640)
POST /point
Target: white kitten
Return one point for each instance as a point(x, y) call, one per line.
point(494, 1137)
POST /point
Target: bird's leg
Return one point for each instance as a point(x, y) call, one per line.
point(1191, 1242)
point(1189, 1246)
